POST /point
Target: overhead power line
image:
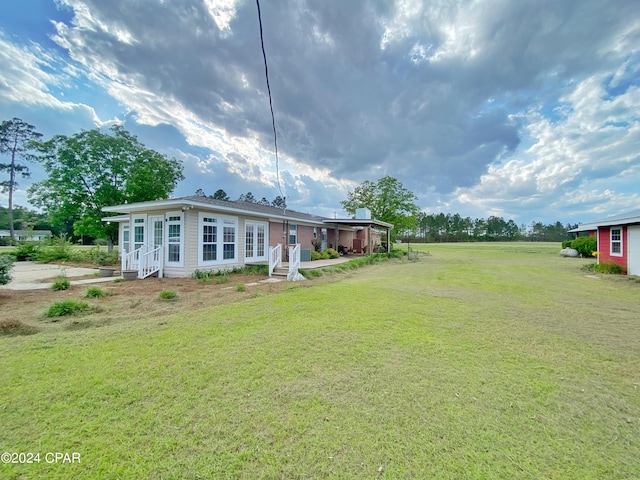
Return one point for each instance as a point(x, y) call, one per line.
point(273, 118)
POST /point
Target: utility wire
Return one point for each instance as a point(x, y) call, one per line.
point(273, 118)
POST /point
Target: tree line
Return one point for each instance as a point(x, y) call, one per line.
point(455, 228)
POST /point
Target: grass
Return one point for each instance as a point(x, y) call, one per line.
point(60, 283)
point(477, 361)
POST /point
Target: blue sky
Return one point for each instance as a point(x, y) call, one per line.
point(527, 110)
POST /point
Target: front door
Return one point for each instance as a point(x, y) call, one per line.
point(156, 232)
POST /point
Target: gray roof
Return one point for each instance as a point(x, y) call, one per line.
point(236, 206)
point(620, 219)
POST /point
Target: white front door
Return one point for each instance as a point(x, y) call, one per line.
point(156, 232)
point(633, 250)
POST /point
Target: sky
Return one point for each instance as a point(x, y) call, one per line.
point(527, 109)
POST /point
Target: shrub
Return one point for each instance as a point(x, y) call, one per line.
point(61, 283)
point(6, 264)
point(609, 267)
point(241, 287)
point(567, 244)
point(585, 245)
point(58, 249)
point(66, 307)
point(96, 256)
point(168, 295)
point(315, 255)
point(94, 292)
point(332, 253)
point(27, 251)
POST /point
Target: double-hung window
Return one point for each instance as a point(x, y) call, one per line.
point(616, 241)
point(293, 233)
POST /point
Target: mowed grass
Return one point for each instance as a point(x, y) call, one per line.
point(500, 361)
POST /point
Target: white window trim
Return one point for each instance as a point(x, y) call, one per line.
point(220, 219)
point(166, 238)
point(621, 241)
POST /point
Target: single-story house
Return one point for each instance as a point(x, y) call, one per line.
point(27, 235)
point(177, 236)
point(618, 239)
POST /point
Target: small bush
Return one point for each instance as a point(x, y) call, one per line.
point(27, 251)
point(94, 292)
point(609, 267)
point(585, 246)
point(66, 307)
point(315, 255)
point(61, 283)
point(241, 287)
point(58, 249)
point(168, 295)
point(6, 264)
point(332, 253)
point(567, 244)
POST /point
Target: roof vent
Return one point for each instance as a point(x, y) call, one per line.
point(363, 214)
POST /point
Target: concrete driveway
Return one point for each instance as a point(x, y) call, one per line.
point(36, 276)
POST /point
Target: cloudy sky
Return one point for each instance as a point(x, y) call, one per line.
point(526, 109)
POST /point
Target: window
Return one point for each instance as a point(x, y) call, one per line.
point(218, 241)
point(229, 240)
point(138, 233)
point(293, 229)
point(261, 240)
point(616, 241)
point(209, 239)
point(174, 238)
point(125, 238)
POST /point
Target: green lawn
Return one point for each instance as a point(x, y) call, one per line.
point(484, 361)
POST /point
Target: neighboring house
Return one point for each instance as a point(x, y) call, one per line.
point(618, 239)
point(27, 235)
point(178, 236)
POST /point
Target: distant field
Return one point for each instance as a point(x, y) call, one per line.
point(498, 361)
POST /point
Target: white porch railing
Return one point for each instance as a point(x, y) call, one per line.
point(150, 263)
point(294, 263)
point(145, 262)
point(131, 260)
point(275, 258)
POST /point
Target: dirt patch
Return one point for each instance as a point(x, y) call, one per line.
point(130, 300)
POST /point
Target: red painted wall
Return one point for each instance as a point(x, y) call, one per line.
point(604, 247)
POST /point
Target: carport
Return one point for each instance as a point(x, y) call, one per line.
point(368, 223)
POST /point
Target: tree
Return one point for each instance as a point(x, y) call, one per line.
point(17, 139)
point(247, 197)
point(92, 170)
point(200, 193)
point(279, 202)
point(264, 202)
point(388, 200)
point(221, 195)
